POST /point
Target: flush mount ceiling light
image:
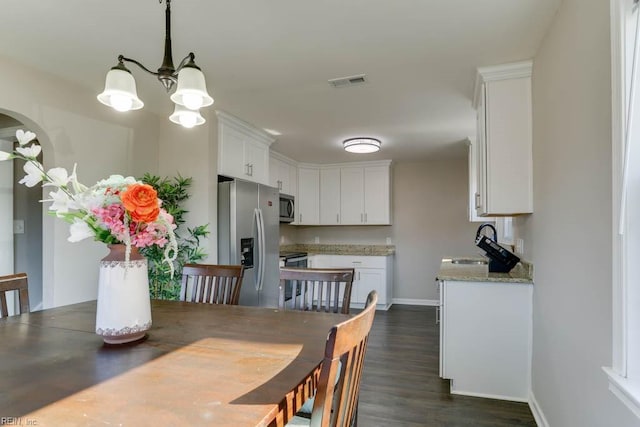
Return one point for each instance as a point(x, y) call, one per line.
point(191, 91)
point(361, 145)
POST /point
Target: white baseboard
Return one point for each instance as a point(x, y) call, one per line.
point(410, 301)
point(537, 411)
point(487, 396)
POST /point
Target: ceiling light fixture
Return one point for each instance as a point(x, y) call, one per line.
point(191, 91)
point(361, 145)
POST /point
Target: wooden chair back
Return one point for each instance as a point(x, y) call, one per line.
point(212, 284)
point(336, 402)
point(17, 283)
point(317, 289)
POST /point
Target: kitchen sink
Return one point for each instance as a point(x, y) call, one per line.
point(468, 261)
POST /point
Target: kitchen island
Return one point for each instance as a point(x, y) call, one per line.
point(485, 329)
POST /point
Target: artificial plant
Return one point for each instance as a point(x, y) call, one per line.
point(173, 192)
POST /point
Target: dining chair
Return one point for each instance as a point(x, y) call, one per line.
point(17, 283)
point(316, 289)
point(335, 403)
point(212, 284)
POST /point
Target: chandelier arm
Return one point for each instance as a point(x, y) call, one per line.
point(123, 58)
point(190, 57)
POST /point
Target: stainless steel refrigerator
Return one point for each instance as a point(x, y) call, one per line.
point(248, 234)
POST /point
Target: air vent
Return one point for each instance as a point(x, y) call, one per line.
point(348, 81)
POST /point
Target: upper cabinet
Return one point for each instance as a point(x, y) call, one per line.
point(283, 174)
point(365, 195)
point(503, 148)
point(243, 150)
point(308, 200)
point(346, 194)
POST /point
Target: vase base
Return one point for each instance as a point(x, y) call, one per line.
point(123, 339)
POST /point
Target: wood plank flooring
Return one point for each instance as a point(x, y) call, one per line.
point(401, 387)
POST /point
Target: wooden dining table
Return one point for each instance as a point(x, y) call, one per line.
point(200, 364)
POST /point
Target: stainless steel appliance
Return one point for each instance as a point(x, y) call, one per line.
point(248, 234)
point(287, 208)
point(292, 259)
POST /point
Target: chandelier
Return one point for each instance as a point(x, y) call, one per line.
point(191, 90)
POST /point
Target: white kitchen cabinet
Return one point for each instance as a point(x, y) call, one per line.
point(485, 338)
point(504, 140)
point(352, 195)
point(330, 196)
point(365, 195)
point(308, 200)
point(243, 150)
point(283, 174)
point(371, 273)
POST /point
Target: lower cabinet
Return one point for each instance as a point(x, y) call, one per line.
point(485, 338)
point(371, 273)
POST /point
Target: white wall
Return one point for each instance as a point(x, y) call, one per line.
point(429, 222)
point(6, 212)
point(568, 236)
point(194, 153)
point(73, 127)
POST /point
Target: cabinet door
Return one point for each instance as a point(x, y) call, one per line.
point(256, 157)
point(352, 195)
point(376, 195)
point(231, 160)
point(370, 279)
point(275, 173)
point(330, 196)
point(308, 202)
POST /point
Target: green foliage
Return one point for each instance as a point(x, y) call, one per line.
point(173, 192)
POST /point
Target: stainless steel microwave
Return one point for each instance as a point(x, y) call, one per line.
point(287, 208)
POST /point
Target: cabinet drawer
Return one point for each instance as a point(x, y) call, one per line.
point(359, 261)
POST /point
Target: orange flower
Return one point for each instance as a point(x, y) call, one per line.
point(141, 200)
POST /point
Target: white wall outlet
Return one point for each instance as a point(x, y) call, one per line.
point(18, 226)
point(389, 241)
point(519, 249)
point(316, 239)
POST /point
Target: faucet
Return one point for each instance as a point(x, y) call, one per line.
point(483, 226)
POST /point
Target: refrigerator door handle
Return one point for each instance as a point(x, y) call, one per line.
point(258, 260)
point(263, 249)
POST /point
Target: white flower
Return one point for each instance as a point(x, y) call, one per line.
point(79, 230)
point(77, 186)
point(116, 181)
point(5, 156)
point(24, 137)
point(58, 177)
point(30, 152)
point(34, 174)
point(61, 202)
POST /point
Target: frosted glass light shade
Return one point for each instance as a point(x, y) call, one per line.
point(361, 145)
point(192, 89)
point(186, 117)
point(120, 91)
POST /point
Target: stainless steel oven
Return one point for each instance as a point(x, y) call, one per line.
point(287, 208)
point(292, 259)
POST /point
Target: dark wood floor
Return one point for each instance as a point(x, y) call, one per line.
point(401, 387)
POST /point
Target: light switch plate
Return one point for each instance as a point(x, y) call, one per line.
point(18, 226)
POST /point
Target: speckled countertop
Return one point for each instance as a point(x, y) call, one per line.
point(521, 273)
point(331, 249)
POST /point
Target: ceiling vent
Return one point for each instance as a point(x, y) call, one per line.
point(348, 81)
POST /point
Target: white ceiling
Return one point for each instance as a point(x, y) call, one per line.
point(268, 61)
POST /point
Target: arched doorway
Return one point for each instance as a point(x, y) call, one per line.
point(21, 217)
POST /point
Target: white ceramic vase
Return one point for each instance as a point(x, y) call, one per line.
point(124, 308)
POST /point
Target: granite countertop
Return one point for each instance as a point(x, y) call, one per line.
point(334, 249)
point(521, 273)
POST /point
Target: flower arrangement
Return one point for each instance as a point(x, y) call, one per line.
point(116, 210)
